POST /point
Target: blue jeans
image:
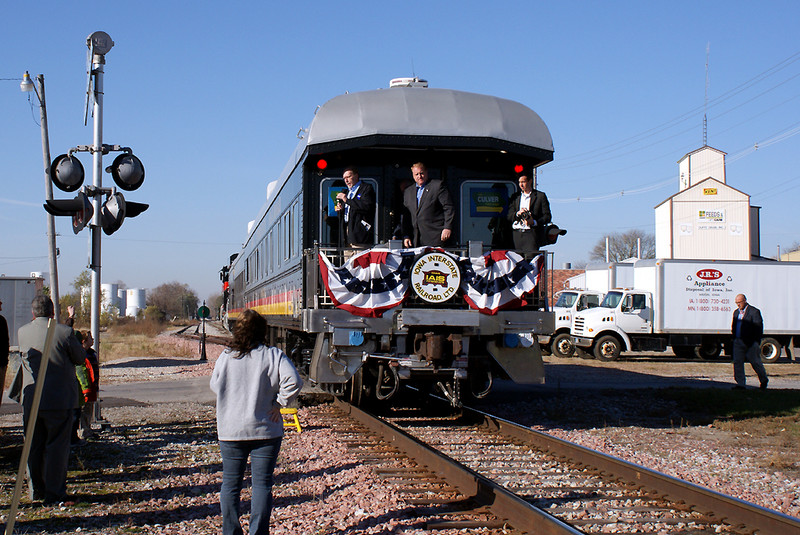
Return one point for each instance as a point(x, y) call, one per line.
point(263, 456)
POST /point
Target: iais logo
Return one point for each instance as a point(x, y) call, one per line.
point(709, 274)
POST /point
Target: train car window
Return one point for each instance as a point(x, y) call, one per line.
point(484, 205)
point(295, 229)
point(329, 222)
point(271, 252)
point(285, 236)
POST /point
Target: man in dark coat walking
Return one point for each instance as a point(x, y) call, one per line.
point(747, 330)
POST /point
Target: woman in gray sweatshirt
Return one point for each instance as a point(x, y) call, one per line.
point(252, 382)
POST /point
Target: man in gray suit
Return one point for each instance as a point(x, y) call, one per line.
point(47, 463)
point(431, 209)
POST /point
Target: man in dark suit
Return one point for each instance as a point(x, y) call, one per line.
point(47, 463)
point(747, 330)
point(431, 211)
point(357, 206)
point(4, 347)
point(529, 212)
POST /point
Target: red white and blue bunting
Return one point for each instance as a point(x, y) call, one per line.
point(378, 279)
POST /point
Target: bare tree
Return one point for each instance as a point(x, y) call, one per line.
point(622, 246)
point(173, 299)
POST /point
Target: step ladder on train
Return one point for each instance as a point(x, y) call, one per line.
point(290, 419)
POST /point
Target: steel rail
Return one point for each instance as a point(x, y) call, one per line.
point(732, 510)
point(520, 514)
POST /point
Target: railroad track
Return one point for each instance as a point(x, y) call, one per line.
point(482, 471)
point(192, 332)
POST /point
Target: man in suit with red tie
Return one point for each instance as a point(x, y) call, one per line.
point(431, 209)
point(747, 330)
point(529, 212)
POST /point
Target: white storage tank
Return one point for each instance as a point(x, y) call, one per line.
point(109, 299)
point(135, 298)
point(122, 301)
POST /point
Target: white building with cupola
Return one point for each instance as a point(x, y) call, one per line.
point(707, 219)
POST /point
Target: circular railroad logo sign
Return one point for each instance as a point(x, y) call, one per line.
point(435, 277)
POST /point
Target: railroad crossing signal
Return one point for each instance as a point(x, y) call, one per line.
point(67, 174)
point(80, 209)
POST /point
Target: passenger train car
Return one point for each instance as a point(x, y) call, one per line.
point(363, 322)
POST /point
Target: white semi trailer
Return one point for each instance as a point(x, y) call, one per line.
point(688, 305)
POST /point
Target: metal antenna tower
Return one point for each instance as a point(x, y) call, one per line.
point(705, 103)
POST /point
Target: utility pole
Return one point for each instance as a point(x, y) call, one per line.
point(27, 86)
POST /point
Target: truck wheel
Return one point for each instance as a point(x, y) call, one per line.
point(607, 348)
point(708, 350)
point(770, 350)
point(562, 346)
point(683, 352)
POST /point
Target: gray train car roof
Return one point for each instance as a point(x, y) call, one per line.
point(428, 117)
point(421, 117)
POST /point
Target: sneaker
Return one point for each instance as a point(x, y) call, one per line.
point(763, 385)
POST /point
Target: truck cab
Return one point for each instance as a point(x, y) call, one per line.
point(622, 322)
point(568, 302)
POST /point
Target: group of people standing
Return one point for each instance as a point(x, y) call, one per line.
point(429, 213)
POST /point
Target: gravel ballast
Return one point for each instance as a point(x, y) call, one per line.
point(157, 468)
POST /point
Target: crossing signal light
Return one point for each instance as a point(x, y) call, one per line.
point(80, 209)
point(552, 232)
point(127, 171)
point(116, 209)
point(66, 172)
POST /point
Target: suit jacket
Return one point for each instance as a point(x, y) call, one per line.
point(61, 384)
point(361, 216)
point(434, 213)
point(4, 342)
point(539, 207)
point(752, 325)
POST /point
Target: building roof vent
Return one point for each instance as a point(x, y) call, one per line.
point(408, 82)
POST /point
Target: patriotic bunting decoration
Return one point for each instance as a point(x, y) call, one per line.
point(369, 283)
point(378, 279)
point(498, 280)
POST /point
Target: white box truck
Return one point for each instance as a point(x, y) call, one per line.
point(688, 305)
point(568, 302)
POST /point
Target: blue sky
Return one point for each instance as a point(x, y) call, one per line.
point(211, 96)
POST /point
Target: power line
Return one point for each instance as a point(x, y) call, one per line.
point(580, 157)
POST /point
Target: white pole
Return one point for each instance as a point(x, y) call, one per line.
point(638, 247)
point(98, 61)
point(607, 252)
